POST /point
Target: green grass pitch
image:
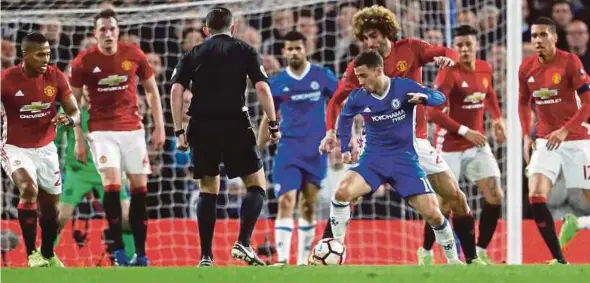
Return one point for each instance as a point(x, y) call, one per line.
point(305, 274)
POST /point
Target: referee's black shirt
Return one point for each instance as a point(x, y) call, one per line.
point(218, 69)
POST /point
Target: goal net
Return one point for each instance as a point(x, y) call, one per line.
point(384, 229)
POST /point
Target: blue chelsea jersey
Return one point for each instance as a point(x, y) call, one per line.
point(390, 120)
point(302, 100)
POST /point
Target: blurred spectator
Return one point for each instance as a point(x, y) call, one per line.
point(88, 42)
point(190, 38)
point(561, 12)
point(467, 18)
point(347, 47)
point(490, 33)
point(106, 5)
point(130, 38)
point(271, 64)
point(434, 36)
point(526, 27)
point(251, 36)
point(189, 20)
point(60, 43)
point(577, 39)
point(283, 21)
point(8, 54)
point(410, 20)
point(528, 49)
point(307, 26)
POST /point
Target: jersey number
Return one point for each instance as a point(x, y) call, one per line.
point(586, 172)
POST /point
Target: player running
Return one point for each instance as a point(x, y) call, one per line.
point(388, 108)
point(300, 92)
point(116, 135)
point(461, 134)
point(81, 178)
point(29, 157)
point(378, 28)
point(560, 88)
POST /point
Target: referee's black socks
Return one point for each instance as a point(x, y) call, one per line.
point(206, 215)
point(249, 212)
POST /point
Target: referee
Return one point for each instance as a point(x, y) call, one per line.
point(219, 129)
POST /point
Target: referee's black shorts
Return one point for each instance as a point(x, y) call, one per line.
point(234, 144)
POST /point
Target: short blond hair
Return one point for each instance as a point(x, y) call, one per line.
point(375, 17)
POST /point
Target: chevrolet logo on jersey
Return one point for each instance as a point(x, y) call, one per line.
point(35, 107)
point(544, 93)
point(112, 83)
point(476, 97)
point(112, 80)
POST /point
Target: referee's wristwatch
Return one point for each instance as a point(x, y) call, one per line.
point(273, 126)
point(178, 133)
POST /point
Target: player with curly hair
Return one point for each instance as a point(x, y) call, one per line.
point(378, 28)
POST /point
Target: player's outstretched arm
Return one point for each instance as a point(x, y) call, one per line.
point(419, 94)
point(152, 95)
point(345, 86)
point(440, 55)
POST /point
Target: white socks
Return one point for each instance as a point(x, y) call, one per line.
point(339, 217)
point(446, 239)
point(306, 233)
point(583, 222)
point(283, 231)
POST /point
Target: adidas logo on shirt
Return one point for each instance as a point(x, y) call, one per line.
point(96, 70)
point(464, 84)
point(19, 93)
point(531, 80)
point(286, 89)
point(367, 110)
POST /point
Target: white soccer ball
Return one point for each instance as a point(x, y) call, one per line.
point(328, 251)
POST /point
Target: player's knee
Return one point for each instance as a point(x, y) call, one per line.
point(434, 217)
point(307, 208)
point(342, 194)
point(28, 192)
point(445, 207)
point(496, 196)
point(287, 201)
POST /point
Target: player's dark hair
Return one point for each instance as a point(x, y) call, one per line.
point(370, 58)
point(294, 36)
point(219, 19)
point(464, 30)
point(546, 21)
point(560, 2)
point(33, 38)
point(106, 14)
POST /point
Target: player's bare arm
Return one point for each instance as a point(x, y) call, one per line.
point(153, 100)
point(263, 133)
point(80, 149)
point(72, 113)
point(176, 106)
point(265, 98)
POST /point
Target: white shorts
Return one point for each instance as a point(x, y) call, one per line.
point(430, 160)
point(476, 163)
point(125, 150)
point(572, 158)
point(41, 163)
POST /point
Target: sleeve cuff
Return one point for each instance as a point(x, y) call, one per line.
point(463, 130)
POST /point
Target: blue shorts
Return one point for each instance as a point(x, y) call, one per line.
point(296, 162)
point(406, 177)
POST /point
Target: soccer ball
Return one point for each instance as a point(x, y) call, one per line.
point(328, 251)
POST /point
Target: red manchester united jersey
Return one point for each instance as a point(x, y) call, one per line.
point(558, 88)
point(112, 86)
point(405, 60)
point(29, 104)
point(469, 93)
